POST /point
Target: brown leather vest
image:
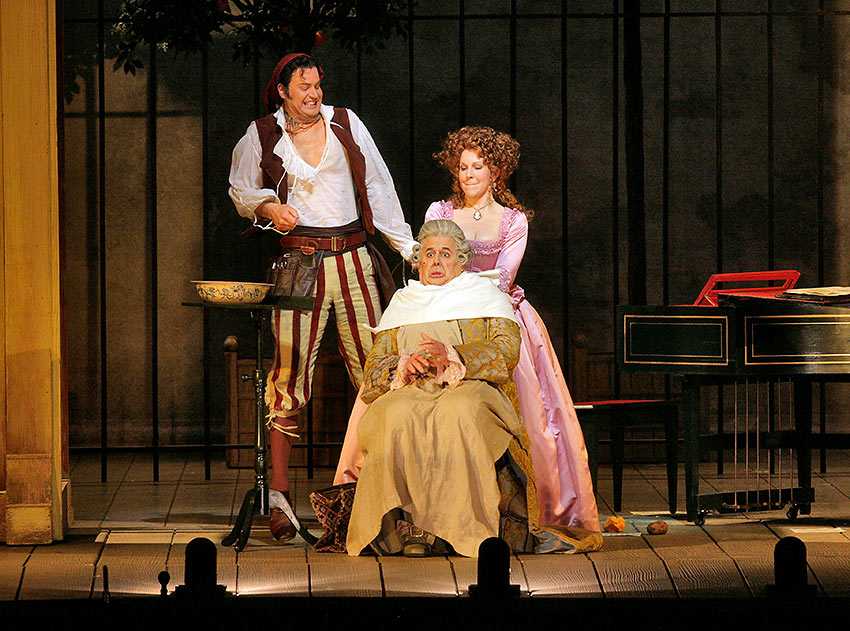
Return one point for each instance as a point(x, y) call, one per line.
point(272, 166)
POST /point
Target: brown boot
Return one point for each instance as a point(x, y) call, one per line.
point(281, 526)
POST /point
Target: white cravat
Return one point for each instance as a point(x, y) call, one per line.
point(470, 295)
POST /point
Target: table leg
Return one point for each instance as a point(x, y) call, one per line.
point(591, 437)
point(822, 419)
point(251, 508)
point(690, 416)
point(618, 439)
point(256, 500)
point(771, 427)
point(260, 468)
point(671, 432)
point(721, 431)
point(803, 427)
point(243, 520)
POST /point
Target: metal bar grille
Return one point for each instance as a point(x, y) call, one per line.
point(615, 176)
point(101, 233)
point(154, 247)
point(464, 19)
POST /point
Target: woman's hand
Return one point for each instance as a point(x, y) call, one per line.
point(416, 366)
point(283, 216)
point(436, 352)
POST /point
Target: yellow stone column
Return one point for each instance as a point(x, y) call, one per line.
point(31, 415)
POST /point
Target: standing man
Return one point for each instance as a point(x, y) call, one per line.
point(313, 173)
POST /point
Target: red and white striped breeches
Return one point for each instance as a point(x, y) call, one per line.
point(346, 284)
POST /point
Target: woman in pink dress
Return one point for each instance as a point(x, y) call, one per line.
point(480, 161)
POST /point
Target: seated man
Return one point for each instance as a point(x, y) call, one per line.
point(446, 455)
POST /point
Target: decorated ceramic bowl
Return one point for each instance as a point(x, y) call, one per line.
point(230, 292)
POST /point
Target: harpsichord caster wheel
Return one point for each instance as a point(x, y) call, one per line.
point(699, 520)
point(793, 512)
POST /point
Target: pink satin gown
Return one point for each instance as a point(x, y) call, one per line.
point(558, 453)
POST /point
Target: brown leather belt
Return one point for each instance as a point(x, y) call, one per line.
point(335, 244)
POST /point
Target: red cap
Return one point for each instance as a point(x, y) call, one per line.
point(270, 95)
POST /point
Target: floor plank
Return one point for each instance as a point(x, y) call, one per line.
point(135, 559)
point(60, 571)
point(85, 468)
point(627, 567)
point(431, 576)
point(707, 578)
point(750, 543)
point(202, 506)
point(219, 471)
point(758, 573)
point(90, 503)
point(12, 560)
point(140, 506)
point(638, 493)
point(832, 573)
point(266, 567)
point(821, 538)
point(743, 539)
point(342, 575)
point(685, 542)
point(561, 575)
point(656, 475)
point(697, 565)
point(171, 467)
point(841, 481)
point(830, 500)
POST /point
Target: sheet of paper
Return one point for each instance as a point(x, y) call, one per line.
point(819, 291)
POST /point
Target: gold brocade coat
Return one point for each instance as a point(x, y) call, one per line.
point(490, 351)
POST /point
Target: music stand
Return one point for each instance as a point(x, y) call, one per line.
point(710, 293)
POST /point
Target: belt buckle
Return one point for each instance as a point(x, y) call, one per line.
point(338, 243)
point(309, 249)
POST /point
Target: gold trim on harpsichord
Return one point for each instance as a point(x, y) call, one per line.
point(811, 319)
point(724, 328)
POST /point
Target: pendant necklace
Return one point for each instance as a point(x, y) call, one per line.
point(476, 215)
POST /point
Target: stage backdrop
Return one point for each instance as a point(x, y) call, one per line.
point(746, 164)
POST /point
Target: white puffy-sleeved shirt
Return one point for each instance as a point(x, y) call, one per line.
point(323, 195)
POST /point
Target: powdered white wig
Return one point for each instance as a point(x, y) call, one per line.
point(442, 228)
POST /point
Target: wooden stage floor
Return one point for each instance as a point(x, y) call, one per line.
point(138, 528)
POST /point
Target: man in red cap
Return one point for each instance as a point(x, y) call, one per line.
point(313, 173)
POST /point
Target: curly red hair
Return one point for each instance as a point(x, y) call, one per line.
point(500, 153)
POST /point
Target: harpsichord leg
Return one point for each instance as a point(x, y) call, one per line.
point(690, 417)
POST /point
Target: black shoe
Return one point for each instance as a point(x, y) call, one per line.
point(416, 543)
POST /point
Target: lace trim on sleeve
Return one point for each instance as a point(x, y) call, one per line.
point(398, 379)
point(504, 280)
point(456, 370)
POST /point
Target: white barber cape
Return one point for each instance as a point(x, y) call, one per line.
point(470, 295)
